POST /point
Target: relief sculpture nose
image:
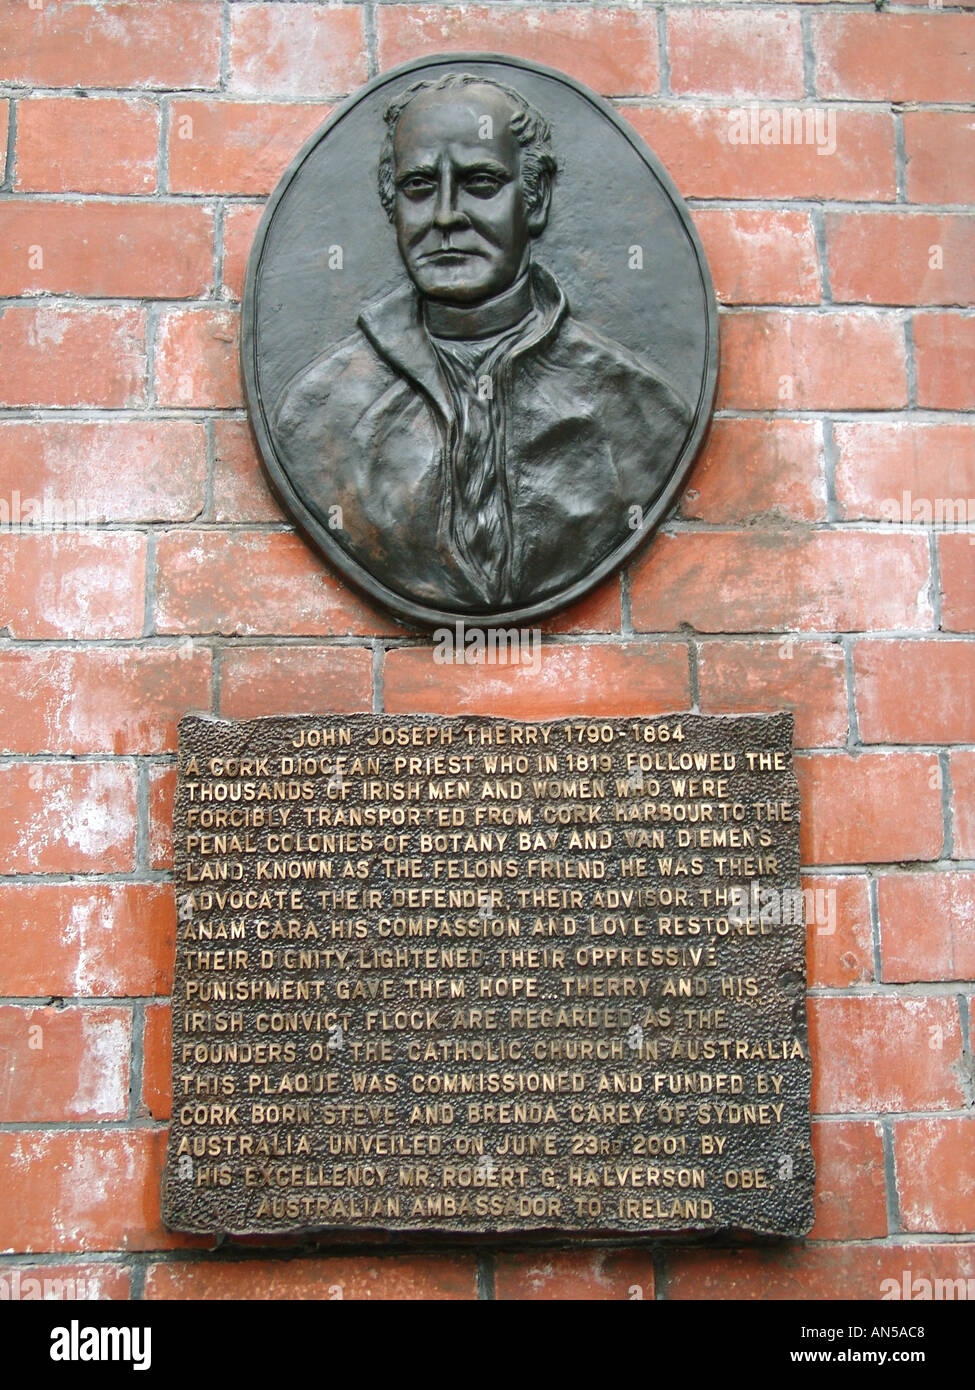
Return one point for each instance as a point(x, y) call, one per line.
point(446, 213)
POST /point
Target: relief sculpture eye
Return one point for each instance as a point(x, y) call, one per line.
point(416, 188)
point(483, 185)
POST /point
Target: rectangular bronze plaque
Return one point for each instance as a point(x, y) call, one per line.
point(478, 975)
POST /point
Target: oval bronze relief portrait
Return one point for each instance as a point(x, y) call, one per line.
point(480, 340)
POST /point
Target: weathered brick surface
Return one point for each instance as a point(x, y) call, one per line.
point(694, 144)
point(851, 1191)
point(411, 1277)
point(844, 581)
point(880, 807)
point(65, 1064)
point(60, 355)
point(131, 250)
point(819, 561)
point(885, 1054)
point(628, 679)
point(613, 50)
point(855, 1271)
point(780, 361)
point(839, 937)
point(936, 1173)
point(577, 1274)
point(755, 469)
point(99, 700)
point(894, 57)
point(303, 51)
point(99, 939)
point(77, 463)
point(59, 44)
point(235, 147)
point(915, 692)
point(927, 926)
point(944, 345)
point(87, 145)
point(902, 471)
point(72, 584)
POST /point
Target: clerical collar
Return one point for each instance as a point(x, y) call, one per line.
point(480, 320)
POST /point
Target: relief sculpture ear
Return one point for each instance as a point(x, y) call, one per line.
point(539, 208)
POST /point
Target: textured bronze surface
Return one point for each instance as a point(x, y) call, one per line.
point(476, 975)
point(479, 340)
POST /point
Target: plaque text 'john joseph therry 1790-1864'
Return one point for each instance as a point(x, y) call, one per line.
point(476, 975)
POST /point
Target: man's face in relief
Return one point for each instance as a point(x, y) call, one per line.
point(463, 226)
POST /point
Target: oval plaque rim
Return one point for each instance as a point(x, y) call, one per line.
point(318, 536)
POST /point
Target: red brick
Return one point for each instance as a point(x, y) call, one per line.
point(633, 678)
point(694, 144)
point(839, 941)
point(826, 581)
point(415, 1278)
point(599, 611)
point(884, 1054)
point(882, 460)
point(935, 1166)
point(944, 349)
point(877, 808)
point(894, 57)
point(67, 818)
point(861, 1272)
point(851, 1189)
point(901, 258)
point(57, 355)
point(296, 50)
point(65, 1064)
point(592, 1276)
point(735, 53)
point(138, 250)
point(957, 562)
point(80, 464)
point(235, 147)
point(157, 1075)
point(72, 584)
point(806, 677)
point(87, 145)
point(162, 789)
point(915, 692)
point(963, 804)
point(83, 1190)
point(927, 926)
point(758, 468)
point(240, 488)
point(98, 939)
point(99, 700)
point(760, 257)
point(239, 226)
point(788, 361)
point(196, 358)
point(612, 50)
point(258, 681)
point(940, 156)
point(73, 1281)
point(251, 583)
point(62, 44)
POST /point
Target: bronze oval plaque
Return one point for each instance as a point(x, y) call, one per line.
point(480, 340)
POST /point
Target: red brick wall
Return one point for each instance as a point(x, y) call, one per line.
point(141, 139)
